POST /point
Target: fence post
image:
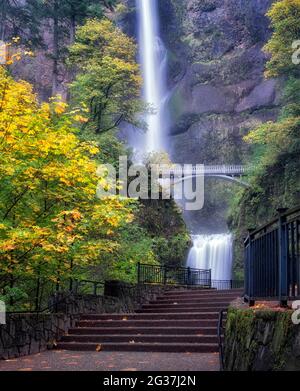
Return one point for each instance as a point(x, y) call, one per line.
point(37, 294)
point(74, 287)
point(283, 258)
point(188, 276)
point(139, 272)
point(210, 284)
point(165, 275)
point(249, 269)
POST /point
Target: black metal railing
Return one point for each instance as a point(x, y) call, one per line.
point(152, 274)
point(88, 287)
point(225, 285)
point(37, 292)
point(272, 259)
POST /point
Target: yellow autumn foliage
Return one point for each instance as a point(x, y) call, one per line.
point(51, 223)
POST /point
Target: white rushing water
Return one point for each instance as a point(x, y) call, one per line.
point(209, 252)
point(153, 59)
point(212, 252)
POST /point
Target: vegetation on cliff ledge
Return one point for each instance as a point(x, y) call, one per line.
point(275, 178)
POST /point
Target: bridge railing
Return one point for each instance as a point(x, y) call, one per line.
point(272, 259)
point(162, 275)
point(225, 169)
point(206, 170)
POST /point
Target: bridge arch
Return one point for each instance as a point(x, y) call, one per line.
point(227, 178)
point(230, 173)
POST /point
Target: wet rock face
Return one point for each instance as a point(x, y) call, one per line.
point(262, 340)
point(229, 23)
point(216, 74)
point(263, 95)
point(218, 89)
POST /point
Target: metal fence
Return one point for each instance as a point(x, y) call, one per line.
point(33, 294)
point(152, 274)
point(225, 285)
point(272, 259)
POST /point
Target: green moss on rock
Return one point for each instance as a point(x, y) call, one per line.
point(259, 340)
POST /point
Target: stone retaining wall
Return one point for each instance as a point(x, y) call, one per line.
point(29, 333)
point(261, 340)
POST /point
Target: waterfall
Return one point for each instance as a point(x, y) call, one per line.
point(153, 59)
point(212, 252)
point(209, 252)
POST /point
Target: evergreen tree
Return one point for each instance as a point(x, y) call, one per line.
point(19, 18)
point(64, 17)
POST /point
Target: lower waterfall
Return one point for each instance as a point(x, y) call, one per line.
point(212, 252)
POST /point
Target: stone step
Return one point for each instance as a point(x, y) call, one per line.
point(211, 307)
point(189, 303)
point(199, 297)
point(206, 302)
point(188, 289)
point(171, 330)
point(151, 316)
point(149, 323)
point(204, 292)
point(177, 309)
point(176, 322)
point(134, 338)
point(140, 347)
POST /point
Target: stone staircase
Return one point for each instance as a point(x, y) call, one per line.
point(178, 321)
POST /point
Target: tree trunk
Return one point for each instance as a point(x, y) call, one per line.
point(55, 48)
point(3, 20)
point(72, 29)
point(71, 72)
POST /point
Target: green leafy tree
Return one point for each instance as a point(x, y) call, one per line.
point(108, 76)
point(285, 16)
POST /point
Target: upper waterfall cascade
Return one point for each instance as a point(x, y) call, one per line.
point(153, 59)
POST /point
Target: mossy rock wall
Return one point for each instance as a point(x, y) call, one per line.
point(261, 340)
point(218, 89)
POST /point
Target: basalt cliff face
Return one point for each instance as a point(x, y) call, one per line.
point(217, 89)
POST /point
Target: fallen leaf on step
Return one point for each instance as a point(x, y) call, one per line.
point(51, 345)
point(98, 348)
point(132, 342)
point(175, 303)
point(125, 318)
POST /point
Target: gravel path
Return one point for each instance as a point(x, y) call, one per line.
point(60, 360)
